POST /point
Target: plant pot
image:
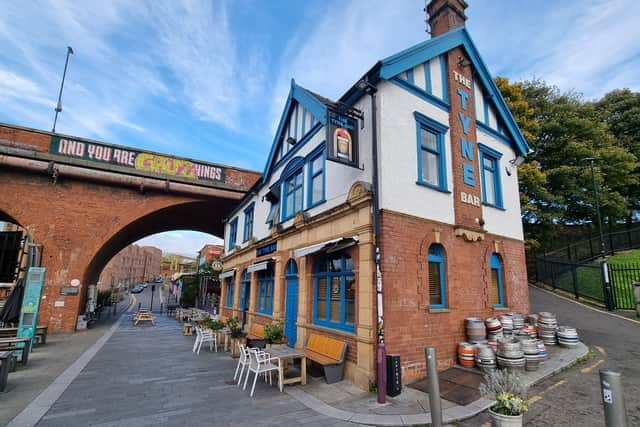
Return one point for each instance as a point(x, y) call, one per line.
point(499, 420)
point(235, 351)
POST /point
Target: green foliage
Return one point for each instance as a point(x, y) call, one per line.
point(104, 297)
point(562, 129)
point(214, 325)
point(234, 326)
point(189, 292)
point(629, 257)
point(373, 386)
point(274, 332)
point(508, 390)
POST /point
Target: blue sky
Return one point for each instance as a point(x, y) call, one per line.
point(208, 79)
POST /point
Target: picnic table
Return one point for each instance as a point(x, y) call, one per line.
point(143, 315)
point(13, 344)
point(5, 361)
point(287, 354)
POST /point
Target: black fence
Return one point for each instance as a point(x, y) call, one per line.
point(622, 277)
point(581, 279)
point(590, 249)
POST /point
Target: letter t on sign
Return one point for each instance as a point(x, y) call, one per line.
point(463, 98)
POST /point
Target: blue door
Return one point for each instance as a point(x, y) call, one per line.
point(291, 308)
point(245, 296)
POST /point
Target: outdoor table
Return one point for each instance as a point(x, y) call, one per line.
point(11, 344)
point(286, 354)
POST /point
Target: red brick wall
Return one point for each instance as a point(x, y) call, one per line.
point(409, 324)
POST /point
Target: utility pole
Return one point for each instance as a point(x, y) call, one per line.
point(603, 253)
point(58, 108)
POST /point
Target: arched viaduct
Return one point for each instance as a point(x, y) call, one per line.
point(84, 209)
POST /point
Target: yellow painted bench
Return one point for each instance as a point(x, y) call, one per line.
point(329, 353)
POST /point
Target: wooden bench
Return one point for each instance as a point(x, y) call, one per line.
point(187, 329)
point(144, 315)
point(6, 358)
point(22, 345)
point(256, 336)
point(329, 353)
point(41, 333)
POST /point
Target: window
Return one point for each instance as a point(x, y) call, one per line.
point(431, 153)
point(491, 185)
point(316, 180)
point(292, 195)
point(233, 231)
point(437, 277)
point(248, 223)
point(265, 291)
point(229, 287)
point(335, 292)
point(497, 286)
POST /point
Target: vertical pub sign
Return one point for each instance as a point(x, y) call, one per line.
point(342, 138)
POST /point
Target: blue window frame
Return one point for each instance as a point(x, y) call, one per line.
point(432, 164)
point(316, 180)
point(248, 223)
point(265, 291)
point(491, 185)
point(292, 195)
point(233, 233)
point(497, 277)
point(335, 292)
point(229, 288)
point(437, 277)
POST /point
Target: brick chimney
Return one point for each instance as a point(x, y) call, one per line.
point(445, 15)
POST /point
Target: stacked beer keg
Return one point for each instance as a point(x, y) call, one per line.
point(567, 336)
point(485, 357)
point(531, 331)
point(518, 321)
point(510, 354)
point(467, 354)
point(475, 329)
point(531, 354)
point(507, 323)
point(547, 325)
point(494, 328)
point(542, 350)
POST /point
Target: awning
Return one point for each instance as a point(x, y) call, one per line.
point(258, 266)
point(228, 273)
point(329, 245)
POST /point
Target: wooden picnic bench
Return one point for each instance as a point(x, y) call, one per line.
point(5, 360)
point(329, 353)
point(144, 315)
point(13, 344)
point(255, 338)
point(41, 333)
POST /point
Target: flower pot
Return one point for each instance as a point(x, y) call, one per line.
point(235, 351)
point(499, 420)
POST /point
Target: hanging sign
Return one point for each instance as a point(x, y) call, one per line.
point(139, 160)
point(342, 138)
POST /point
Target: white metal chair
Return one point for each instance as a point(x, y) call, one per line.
point(243, 361)
point(198, 337)
point(207, 335)
point(260, 363)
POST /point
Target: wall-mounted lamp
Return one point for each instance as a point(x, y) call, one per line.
point(517, 161)
point(462, 62)
point(291, 140)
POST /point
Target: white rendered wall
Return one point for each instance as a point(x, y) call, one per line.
point(507, 222)
point(399, 156)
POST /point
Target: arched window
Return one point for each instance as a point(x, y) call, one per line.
point(265, 290)
point(229, 288)
point(335, 292)
point(497, 284)
point(437, 277)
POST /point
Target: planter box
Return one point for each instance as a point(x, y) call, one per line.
point(499, 420)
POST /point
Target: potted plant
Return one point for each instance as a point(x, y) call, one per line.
point(216, 326)
point(509, 392)
point(238, 336)
point(274, 333)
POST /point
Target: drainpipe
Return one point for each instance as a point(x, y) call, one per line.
point(381, 372)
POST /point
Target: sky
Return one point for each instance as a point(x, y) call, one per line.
point(208, 79)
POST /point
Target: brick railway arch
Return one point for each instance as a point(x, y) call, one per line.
point(203, 216)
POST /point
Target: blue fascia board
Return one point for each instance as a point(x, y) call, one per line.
point(425, 51)
point(490, 151)
point(305, 139)
point(420, 93)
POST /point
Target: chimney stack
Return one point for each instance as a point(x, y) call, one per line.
point(445, 15)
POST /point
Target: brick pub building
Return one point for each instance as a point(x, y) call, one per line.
point(301, 246)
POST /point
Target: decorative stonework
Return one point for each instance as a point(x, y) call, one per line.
point(469, 235)
point(358, 190)
point(300, 219)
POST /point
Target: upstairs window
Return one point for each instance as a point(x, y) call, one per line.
point(292, 197)
point(497, 285)
point(248, 223)
point(431, 153)
point(491, 185)
point(233, 233)
point(316, 180)
point(437, 277)
point(265, 291)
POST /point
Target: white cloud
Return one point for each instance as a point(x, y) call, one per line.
point(182, 242)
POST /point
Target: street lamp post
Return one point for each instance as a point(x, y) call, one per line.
point(605, 269)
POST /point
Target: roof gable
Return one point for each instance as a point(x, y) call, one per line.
point(425, 51)
point(312, 103)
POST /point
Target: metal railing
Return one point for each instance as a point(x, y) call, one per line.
point(581, 279)
point(589, 249)
point(622, 278)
